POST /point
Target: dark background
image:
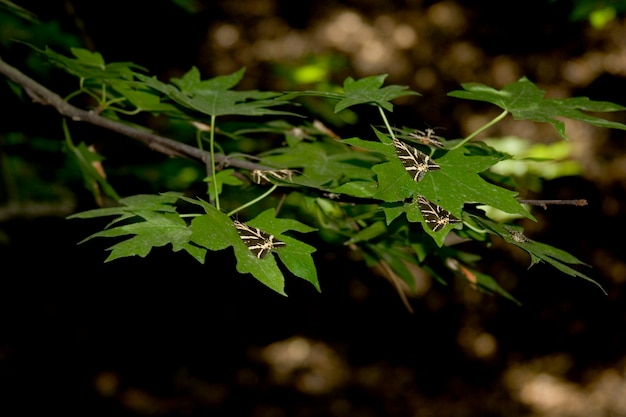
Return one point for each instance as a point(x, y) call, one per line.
point(165, 336)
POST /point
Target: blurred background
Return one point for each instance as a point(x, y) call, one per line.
point(163, 336)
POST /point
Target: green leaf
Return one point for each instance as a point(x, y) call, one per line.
point(396, 257)
point(19, 11)
point(457, 183)
point(525, 101)
point(213, 230)
point(370, 232)
point(214, 97)
point(149, 101)
point(361, 189)
point(89, 58)
point(392, 211)
point(299, 261)
point(265, 270)
point(295, 255)
point(142, 202)
point(157, 229)
point(216, 231)
point(413, 214)
point(384, 148)
point(91, 65)
point(155, 223)
point(323, 164)
point(222, 177)
point(94, 73)
point(486, 283)
point(93, 179)
point(538, 251)
point(369, 90)
point(191, 82)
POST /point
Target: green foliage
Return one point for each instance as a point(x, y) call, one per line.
point(354, 192)
point(597, 12)
point(538, 251)
point(151, 220)
point(214, 97)
point(17, 11)
point(90, 166)
point(525, 102)
point(19, 23)
point(368, 90)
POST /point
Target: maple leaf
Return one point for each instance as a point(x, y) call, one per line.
point(153, 223)
point(525, 101)
point(458, 182)
point(538, 251)
point(366, 90)
point(214, 97)
point(216, 231)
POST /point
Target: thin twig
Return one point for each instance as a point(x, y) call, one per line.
point(544, 203)
point(397, 282)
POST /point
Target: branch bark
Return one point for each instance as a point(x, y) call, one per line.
point(544, 203)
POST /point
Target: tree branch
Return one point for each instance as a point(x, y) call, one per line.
point(544, 203)
point(43, 96)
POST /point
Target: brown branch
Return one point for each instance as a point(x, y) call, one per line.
point(36, 209)
point(544, 203)
point(43, 96)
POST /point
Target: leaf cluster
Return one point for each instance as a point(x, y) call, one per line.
point(354, 192)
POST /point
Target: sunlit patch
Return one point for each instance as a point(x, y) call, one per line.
point(310, 366)
point(226, 35)
point(404, 36)
point(345, 29)
point(542, 386)
point(477, 343)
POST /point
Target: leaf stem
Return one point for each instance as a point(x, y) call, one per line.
point(389, 129)
point(474, 228)
point(256, 200)
point(484, 127)
point(212, 152)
